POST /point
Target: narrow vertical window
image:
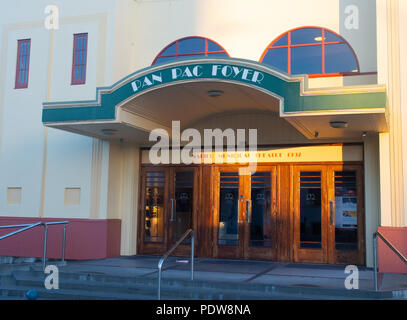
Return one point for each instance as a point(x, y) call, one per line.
point(23, 63)
point(80, 48)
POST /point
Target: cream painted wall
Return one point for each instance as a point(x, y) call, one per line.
point(243, 30)
point(21, 137)
point(123, 192)
point(36, 158)
point(372, 192)
point(403, 86)
point(391, 39)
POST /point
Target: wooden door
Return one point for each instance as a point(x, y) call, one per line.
point(260, 232)
point(245, 213)
point(310, 201)
point(229, 207)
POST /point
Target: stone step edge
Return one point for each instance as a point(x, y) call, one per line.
point(269, 288)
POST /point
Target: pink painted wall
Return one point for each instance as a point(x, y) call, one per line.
point(388, 261)
point(85, 239)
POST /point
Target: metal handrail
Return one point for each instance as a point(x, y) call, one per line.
point(391, 246)
point(165, 256)
point(25, 227)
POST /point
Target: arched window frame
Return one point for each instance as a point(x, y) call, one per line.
point(177, 54)
point(323, 43)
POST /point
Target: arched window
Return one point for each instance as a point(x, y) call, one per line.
point(311, 50)
point(190, 47)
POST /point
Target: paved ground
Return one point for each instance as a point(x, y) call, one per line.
point(264, 272)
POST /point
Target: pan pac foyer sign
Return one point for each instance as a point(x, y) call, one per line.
point(253, 74)
point(206, 71)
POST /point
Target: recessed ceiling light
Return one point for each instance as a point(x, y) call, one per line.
point(338, 124)
point(108, 132)
point(215, 93)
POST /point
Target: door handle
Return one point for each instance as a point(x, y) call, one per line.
point(331, 213)
point(172, 210)
point(238, 211)
point(175, 210)
point(248, 211)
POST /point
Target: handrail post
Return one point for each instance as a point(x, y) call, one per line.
point(165, 256)
point(159, 282)
point(25, 227)
point(375, 260)
point(63, 245)
point(192, 254)
point(44, 257)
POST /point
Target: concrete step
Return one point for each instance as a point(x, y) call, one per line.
point(19, 291)
point(176, 290)
point(8, 268)
point(185, 289)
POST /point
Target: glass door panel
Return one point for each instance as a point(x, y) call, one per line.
point(310, 214)
point(346, 225)
point(228, 231)
point(346, 218)
point(260, 222)
point(246, 204)
point(154, 207)
point(153, 234)
point(182, 210)
point(310, 210)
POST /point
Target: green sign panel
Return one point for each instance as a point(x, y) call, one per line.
point(251, 74)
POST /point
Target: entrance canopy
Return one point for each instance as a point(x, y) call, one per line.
point(190, 90)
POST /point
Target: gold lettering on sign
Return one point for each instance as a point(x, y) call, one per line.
point(295, 154)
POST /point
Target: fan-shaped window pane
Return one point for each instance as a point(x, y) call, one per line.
point(191, 47)
point(212, 46)
point(306, 60)
point(306, 36)
point(170, 50)
point(330, 37)
point(338, 58)
point(313, 51)
point(283, 41)
point(278, 58)
point(218, 55)
point(164, 59)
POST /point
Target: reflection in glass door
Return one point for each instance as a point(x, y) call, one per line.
point(182, 204)
point(310, 214)
point(154, 207)
point(310, 210)
point(153, 214)
point(260, 242)
point(260, 220)
point(346, 219)
point(346, 215)
point(228, 233)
